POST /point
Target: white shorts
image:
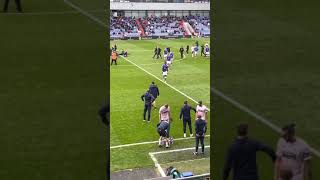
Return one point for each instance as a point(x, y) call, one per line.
point(165, 55)
point(165, 73)
point(169, 62)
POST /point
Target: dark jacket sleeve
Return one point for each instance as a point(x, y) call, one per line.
point(181, 112)
point(158, 91)
point(267, 149)
point(228, 164)
point(193, 109)
point(142, 97)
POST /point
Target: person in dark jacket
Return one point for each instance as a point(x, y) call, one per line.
point(154, 90)
point(187, 49)
point(159, 53)
point(200, 128)
point(18, 5)
point(202, 50)
point(155, 52)
point(103, 113)
point(185, 114)
point(241, 156)
point(148, 99)
point(181, 50)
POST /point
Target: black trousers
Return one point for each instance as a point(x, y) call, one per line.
point(113, 60)
point(154, 55)
point(18, 5)
point(185, 122)
point(201, 139)
point(147, 108)
point(159, 55)
point(181, 55)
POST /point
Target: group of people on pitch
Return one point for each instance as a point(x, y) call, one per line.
point(292, 157)
point(165, 118)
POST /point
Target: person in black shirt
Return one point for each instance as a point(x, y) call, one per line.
point(18, 5)
point(155, 52)
point(181, 50)
point(202, 50)
point(159, 53)
point(154, 90)
point(201, 129)
point(187, 49)
point(148, 99)
point(241, 156)
point(185, 114)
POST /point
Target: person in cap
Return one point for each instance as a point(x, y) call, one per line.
point(293, 154)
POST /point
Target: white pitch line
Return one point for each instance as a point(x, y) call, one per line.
point(161, 80)
point(147, 64)
point(150, 142)
point(255, 115)
point(86, 13)
point(157, 165)
point(175, 150)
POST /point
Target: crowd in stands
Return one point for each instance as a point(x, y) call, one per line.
point(162, 26)
point(157, 26)
point(123, 26)
point(200, 24)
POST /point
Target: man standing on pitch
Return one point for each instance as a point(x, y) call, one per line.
point(293, 156)
point(181, 50)
point(154, 90)
point(241, 156)
point(165, 115)
point(201, 129)
point(185, 114)
point(148, 99)
point(155, 52)
point(114, 57)
point(18, 5)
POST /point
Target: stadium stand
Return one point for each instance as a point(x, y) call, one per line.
point(159, 26)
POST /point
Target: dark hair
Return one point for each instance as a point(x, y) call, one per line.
point(242, 129)
point(289, 129)
point(185, 102)
point(152, 82)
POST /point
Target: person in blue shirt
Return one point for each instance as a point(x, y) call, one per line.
point(165, 69)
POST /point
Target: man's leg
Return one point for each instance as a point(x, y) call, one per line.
point(144, 112)
point(202, 143)
point(184, 128)
point(6, 4)
point(149, 112)
point(18, 5)
point(197, 144)
point(168, 130)
point(115, 61)
point(190, 127)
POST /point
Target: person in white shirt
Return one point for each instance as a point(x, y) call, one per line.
point(165, 115)
point(202, 110)
point(293, 156)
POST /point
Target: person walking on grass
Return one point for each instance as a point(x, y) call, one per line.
point(201, 129)
point(185, 115)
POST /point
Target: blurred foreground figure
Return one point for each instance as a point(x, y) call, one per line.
point(18, 5)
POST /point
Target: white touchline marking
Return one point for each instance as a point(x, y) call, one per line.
point(255, 115)
point(150, 142)
point(147, 64)
point(175, 150)
point(86, 13)
point(220, 94)
point(191, 160)
point(156, 163)
point(161, 80)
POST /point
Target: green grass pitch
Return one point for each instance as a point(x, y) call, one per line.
point(53, 81)
point(189, 75)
